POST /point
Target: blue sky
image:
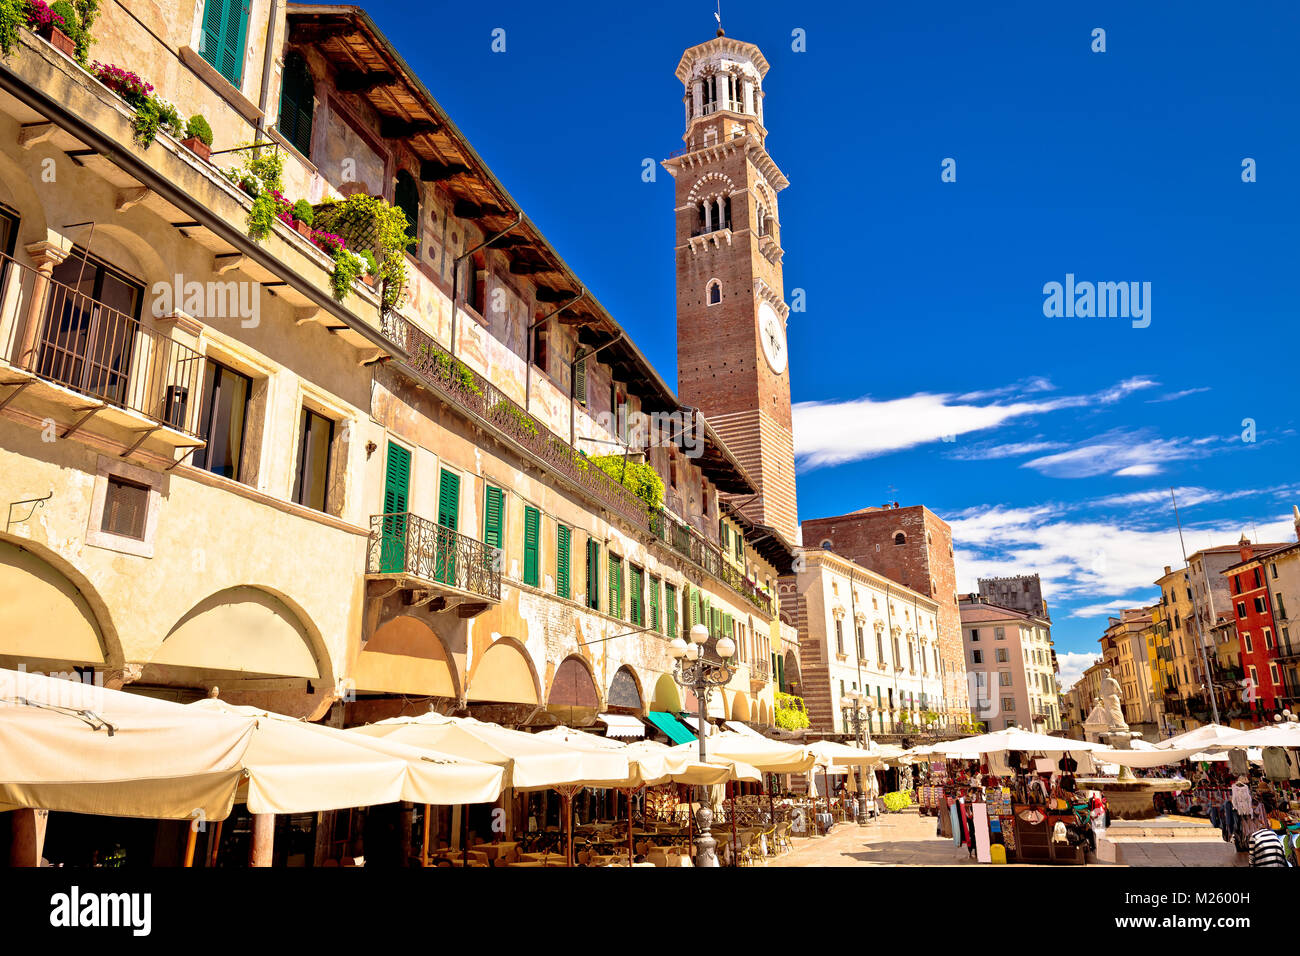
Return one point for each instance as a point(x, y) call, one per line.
point(925, 299)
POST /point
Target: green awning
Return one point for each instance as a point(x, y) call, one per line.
point(674, 728)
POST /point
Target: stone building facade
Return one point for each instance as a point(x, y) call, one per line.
point(861, 631)
point(1022, 592)
point(335, 506)
point(912, 546)
point(732, 358)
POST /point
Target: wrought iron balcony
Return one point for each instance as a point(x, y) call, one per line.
point(462, 386)
point(133, 376)
point(420, 555)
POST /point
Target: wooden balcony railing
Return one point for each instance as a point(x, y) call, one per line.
point(405, 543)
point(70, 339)
point(462, 386)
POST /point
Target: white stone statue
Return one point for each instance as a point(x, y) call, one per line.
point(1112, 695)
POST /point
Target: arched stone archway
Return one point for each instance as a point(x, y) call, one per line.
point(504, 674)
point(625, 692)
point(790, 678)
point(574, 697)
point(740, 709)
point(406, 656)
point(243, 631)
point(46, 619)
point(667, 695)
point(240, 637)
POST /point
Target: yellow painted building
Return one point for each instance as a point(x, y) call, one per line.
point(227, 468)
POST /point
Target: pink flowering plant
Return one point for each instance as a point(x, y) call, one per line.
point(40, 17)
point(124, 83)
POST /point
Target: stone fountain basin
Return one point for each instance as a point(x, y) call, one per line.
point(1132, 799)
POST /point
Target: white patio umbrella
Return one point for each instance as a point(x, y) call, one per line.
point(1276, 735)
point(1197, 737)
point(531, 761)
point(82, 748)
point(1001, 741)
point(769, 756)
point(828, 753)
point(429, 777)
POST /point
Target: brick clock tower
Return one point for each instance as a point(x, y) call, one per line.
point(732, 361)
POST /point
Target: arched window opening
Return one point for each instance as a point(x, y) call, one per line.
point(406, 197)
point(715, 292)
point(900, 538)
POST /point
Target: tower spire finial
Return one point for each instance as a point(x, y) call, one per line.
point(718, 16)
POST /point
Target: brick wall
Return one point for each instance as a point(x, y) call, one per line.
point(923, 562)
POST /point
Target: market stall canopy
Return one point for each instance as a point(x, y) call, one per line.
point(295, 766)
point(1197, 738)
point(531, 761)
point(828, 753)
point(1001, 741)
point(658, 764)
point(769, 756)
point(894, 754)
point(1278, 735)
point(652, 764)
point(1141, 758)
point(622, 725)
point(81, 748)
point(672, 728)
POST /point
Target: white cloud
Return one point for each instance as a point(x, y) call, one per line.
point(1073, 664)
point(1175, 396)
point(832, 433)
point(1125, 454)
point(1102, 563)
point(990, 452)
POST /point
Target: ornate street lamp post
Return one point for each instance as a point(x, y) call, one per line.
point(700, 676)
point(857, 705)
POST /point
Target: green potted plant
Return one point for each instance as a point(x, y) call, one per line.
point(198, 137)
point(303, 217)
point(371, 276)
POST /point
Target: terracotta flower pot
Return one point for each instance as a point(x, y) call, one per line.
point(302, 227)
point(370, 279)
point(60, 40)
point(199, 148)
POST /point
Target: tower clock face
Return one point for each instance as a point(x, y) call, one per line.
point(771, 331)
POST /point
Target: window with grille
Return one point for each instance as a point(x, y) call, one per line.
point(126, 508)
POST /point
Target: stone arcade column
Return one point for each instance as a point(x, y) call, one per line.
point(45, 256)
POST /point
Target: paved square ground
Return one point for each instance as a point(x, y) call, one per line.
point(907, 839)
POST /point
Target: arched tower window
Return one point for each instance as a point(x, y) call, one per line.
point(406, 197)
point(715, 292)
point(297, 103)
point(900, 538)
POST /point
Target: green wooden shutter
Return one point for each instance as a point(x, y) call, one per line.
point(562, 538)
point(225, 28)
point(615, 586)
point(654, 603)
point(297, 103)
point(397, 485)
point(670, 608)
point(580, 381)
point(593, 574)
point(448, 517)
point(693, 600)
point(532, 530)
point(493, 511)
point(636, 598)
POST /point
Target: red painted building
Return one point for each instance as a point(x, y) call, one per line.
point(1256, 628)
